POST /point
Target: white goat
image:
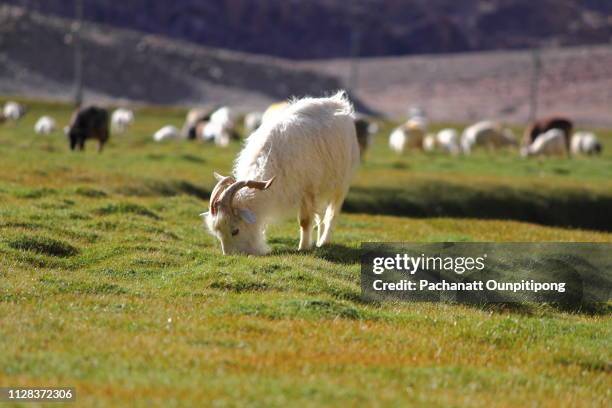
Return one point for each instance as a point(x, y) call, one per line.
point(550, 143)
point(446, 140)
point(252, 121)
point(585, 143)
point(168, 132)
point(122, 119)
point(45, 125)
point(409, 135)
point(13, 111)
point(486, 133)
point(214, 132)
point(220, 127)
point(311, 150)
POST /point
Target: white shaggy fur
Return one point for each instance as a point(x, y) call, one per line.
point(446, 140)
point(166, 133)
point(585, 143)
point(409, 135)
point(486, 133)
point(550, 143)
point(273, 110)
point(311, 151)
point(122, 119)
point(45, 125)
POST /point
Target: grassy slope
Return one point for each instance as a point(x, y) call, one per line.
point(108, 283)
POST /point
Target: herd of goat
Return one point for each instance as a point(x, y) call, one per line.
point(547, 137)
point(300, 157)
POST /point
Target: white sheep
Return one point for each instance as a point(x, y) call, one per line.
point(45, 125)
point(446, 140)
point(409, 135)
point(486, 133)
point(311, 151)
point(167, 132)
point(13, 110)
point(122, 119)
point(550, 143)
point(252, 121)
point(585, 143)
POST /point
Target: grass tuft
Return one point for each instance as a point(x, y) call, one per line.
point(43, 245)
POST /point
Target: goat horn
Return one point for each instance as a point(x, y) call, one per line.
point(218, 190)
point(228, 195)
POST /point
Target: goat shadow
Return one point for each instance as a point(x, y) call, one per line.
point(335, 253)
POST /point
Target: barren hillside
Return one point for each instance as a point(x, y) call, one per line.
point(574, 81)
point(36, 59)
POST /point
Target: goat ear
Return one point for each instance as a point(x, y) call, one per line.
point(247, 215)
point(218, 176)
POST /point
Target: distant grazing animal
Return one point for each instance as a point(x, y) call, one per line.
point(585, 143)
point(122, 119)
point(13, 111)
point(45, 125)
point(167, 132)
point(273, 110)
point(410, 135)
point(195, 116)
point(252, 121)
point(365, 130)
point(488, 134)
point(446, 140)
point(543, 125)
point(300, 161)
point(89, 123)
point(551, 143)
point(220, 128)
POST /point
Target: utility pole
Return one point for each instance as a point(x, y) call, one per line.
point(78, 53)
point(535, 83)
point(353, 80)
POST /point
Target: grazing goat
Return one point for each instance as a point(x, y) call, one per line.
point(585, 143)
point(543, 125)
point(45, 125)
point(252, 121)
point(486, 133)
point(409, 135)
point(551, 143)
point(194, 117)
point(13, 111)
point(167, 132)
point(310, 152)
point(220, 128)
point(121, 120)
point(446, 140)
point(88, 123)
point(365, 130)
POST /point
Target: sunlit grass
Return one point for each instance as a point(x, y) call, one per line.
point(109, 283)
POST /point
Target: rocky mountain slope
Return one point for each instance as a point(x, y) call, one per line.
point(306, 29)
point(37, 57)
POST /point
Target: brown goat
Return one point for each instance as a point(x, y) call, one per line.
point(543, 125)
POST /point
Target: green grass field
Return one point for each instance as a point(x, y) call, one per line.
point(110, 284)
